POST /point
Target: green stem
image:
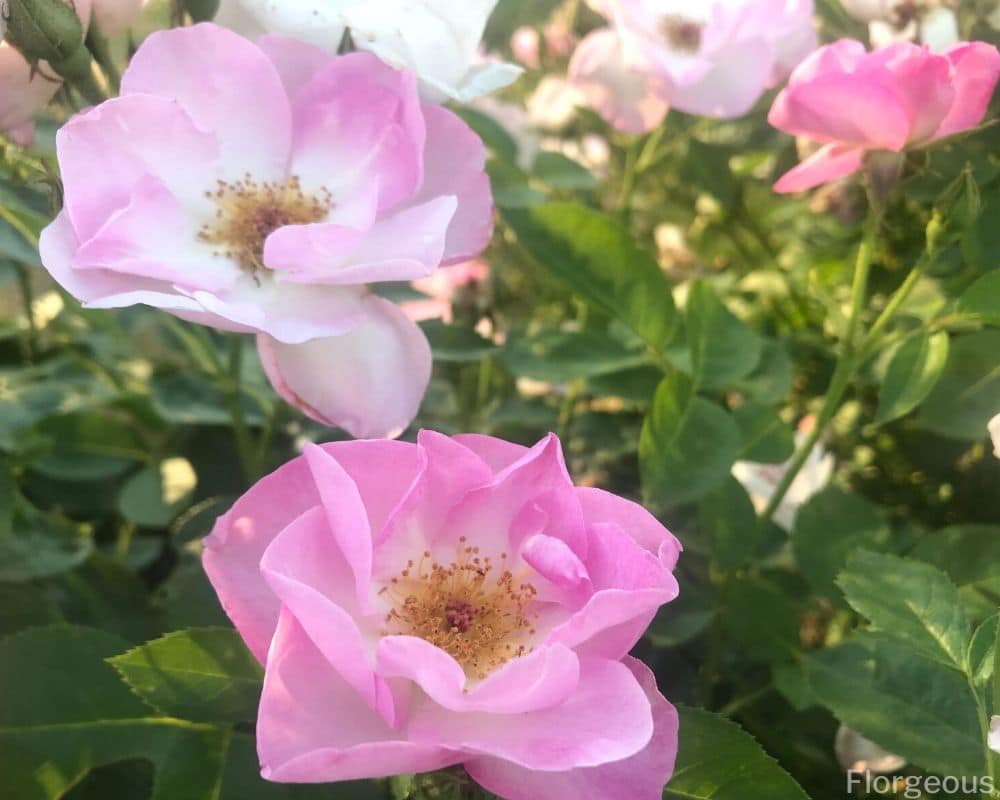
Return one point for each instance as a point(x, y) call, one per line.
point(892, 308)
point(234, 401)
point(846, 367)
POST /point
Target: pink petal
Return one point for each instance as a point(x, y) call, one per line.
point(312, 579)
point(608, 718)
point(601, 506)
point(296, 61)
point(58, 246)
point(976, 67)
point(454, 165)
point(405, 246)
point(858, 109)
point(369, 381)
point(829, 163)
point(628, 99)
point(844, 55)
point(639, 777)
point(300, 741)
point(732, 86)
point(356, 121)
point(542, 679)
point(105, 151)
point(346, 516)
point(553, 559)
point(237, 543)
point(922, 82)
point(498, 453)
point(156, 237)
point(227, 86)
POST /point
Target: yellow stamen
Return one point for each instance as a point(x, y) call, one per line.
point(248, 212)
point(473, 609)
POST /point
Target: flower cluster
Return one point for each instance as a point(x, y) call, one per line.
point(456, 601)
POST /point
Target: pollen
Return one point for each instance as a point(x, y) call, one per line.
point(682, 34)
point(247, 212)
point(473, 608)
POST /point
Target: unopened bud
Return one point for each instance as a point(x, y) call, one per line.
point(202, 10)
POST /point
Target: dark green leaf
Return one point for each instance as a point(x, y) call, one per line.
point(205, 675)
point(71, 713)
point(981, 301)
point(152, 498)
point(41, 546)
point(728, 517)
point(687, 446)
point(967, 395)
point(907, 703)
point(982, 651)
point(561, 172)
point(766, 437)
point(563, 357)
point(718, 760)
point(599, 260)
point(911, 601)
point(723, 348)
point(828, 528)
point(455, 343)
point(914, 370)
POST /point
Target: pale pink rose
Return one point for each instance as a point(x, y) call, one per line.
point(715, 58)
point(854, 102)
point(526, 44)
point(115, 16)
point(24, 93)
point(453, 601)
point(259, 189)
point(440, 289)
point(993, 738)
point(995, 434)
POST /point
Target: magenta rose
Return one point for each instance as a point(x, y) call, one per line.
point(454, 601)
point(854, 102)
point(262, 188)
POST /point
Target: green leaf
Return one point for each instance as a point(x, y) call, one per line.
point(205, 675)
point(686, 617)
point(25, 605)
point(563, 357)
point(913, 371)
point(750, 600)
point(155, 496)
point(718, 760)
point(967, 395)
point(687, 445)
point(981, 301)
point(895, 696)
point(723, 348)
point(828, 528)
point(71, 713)
point(982, 651)
point(453, 343)
point(728, 516)
point(970, 554)
point(766, 437)
point(910, 601)
point(598, 259)
point(561, 172)
point(771, 380)
point(41, 546)
point(188, 599)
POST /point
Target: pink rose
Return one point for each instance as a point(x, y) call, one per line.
point(24, 93)
point(454, 601)
point(715, 58)
point(440, 289)
point(853, 102)
point(526, 45)
point(261, 188)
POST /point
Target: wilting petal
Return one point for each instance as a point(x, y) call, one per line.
point(369, 381)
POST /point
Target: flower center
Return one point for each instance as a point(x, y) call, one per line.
point(248, 212)
point(682, 33)
point(473, 609)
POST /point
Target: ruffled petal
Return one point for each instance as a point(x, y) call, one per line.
point(976, 67)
